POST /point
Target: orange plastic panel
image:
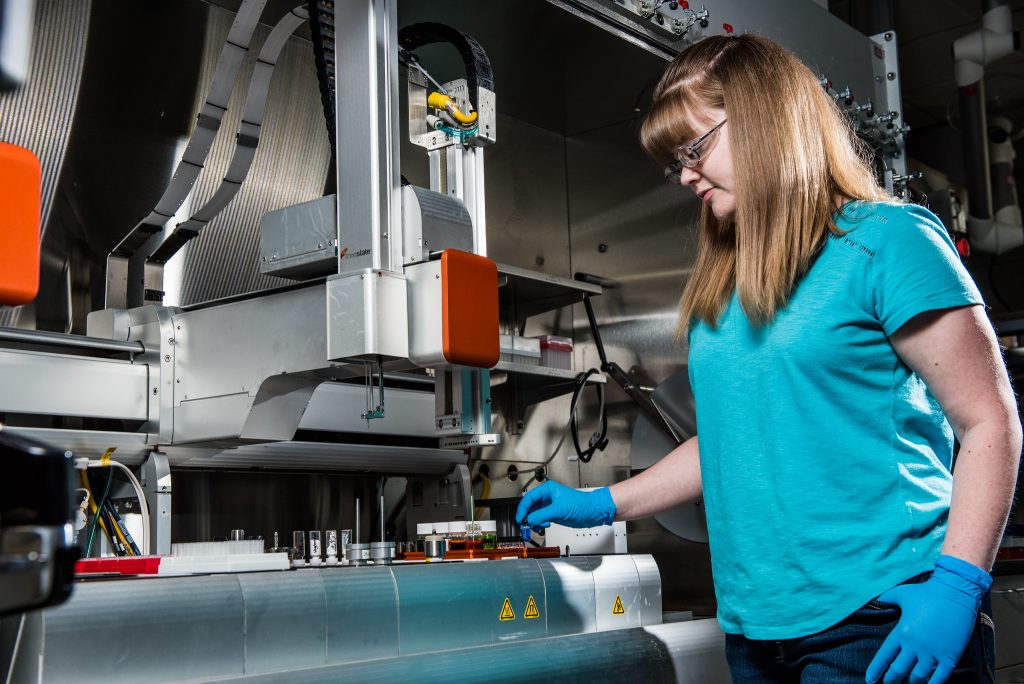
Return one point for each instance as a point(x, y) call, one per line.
point(19, 224)
point(469, 309)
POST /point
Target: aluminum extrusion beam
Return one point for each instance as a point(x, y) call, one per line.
point(366, 125)
point(78, 386)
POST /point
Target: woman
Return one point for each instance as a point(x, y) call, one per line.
point(836, 346)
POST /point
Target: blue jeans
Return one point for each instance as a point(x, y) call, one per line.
point(842, 653)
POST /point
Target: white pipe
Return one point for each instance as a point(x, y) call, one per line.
point(994, 40)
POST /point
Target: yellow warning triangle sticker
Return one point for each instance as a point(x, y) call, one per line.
point(618, 609)
point(506, 611)
point(531, 610)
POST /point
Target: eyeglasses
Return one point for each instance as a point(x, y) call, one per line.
point(692, 154)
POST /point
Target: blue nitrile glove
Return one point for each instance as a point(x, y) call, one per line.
point(937, 619)
point(555, 503)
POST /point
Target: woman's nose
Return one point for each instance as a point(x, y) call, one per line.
point(688, 176)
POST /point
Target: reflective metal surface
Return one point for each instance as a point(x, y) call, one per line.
point(39, 115)
point(174, 629)
point(194, 627)
point(285, 620)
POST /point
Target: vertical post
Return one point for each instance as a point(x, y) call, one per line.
point(156, 483)
point(366, 127)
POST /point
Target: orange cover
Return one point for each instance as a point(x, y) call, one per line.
point(19, 224)
point(469, 309)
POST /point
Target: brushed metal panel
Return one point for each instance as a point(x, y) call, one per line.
point(362, 613)
point(285, 620)
point(289, 168)
point(569, 595)
point(323, 457)
point(453, 605)
point(58, 384)
point(616, 579)
point(233, 347)
point(88, 641)
point(38, 116)
point(650, 589)
point(367, 316)
point(697, 649)
point(337, 407)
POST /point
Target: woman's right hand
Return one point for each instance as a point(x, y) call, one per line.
point(555, 503)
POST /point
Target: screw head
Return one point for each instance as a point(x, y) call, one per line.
point(154, 391)
point(167, 357)
point(891, 75)
point(602, 248)
point(888, 36)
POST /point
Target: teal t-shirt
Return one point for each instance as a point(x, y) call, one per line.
point(825, 460)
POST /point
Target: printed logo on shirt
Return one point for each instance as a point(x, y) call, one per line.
point(850, 242)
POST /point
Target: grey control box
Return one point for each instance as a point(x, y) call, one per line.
point(300, 242)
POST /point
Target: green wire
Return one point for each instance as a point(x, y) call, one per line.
point(99, 511)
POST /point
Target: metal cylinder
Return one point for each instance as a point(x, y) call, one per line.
point(433, 547)
point(358, 554)
point(382, 553)
point(976, 168)
point(237, 535)
point(52, 339)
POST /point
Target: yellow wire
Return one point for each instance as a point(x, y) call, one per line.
point(94, 510)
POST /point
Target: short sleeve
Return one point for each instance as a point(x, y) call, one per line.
point(916, 268)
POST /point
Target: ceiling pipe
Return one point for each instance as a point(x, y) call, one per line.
point(991, 229)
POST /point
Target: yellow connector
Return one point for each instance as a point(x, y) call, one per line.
point(439, 101)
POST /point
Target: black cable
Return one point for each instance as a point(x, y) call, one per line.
point(99, 507)
point(119, 522)
point(598, 440)
point(474, 58)
point(321, 24)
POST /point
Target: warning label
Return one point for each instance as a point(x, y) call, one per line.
point(618, 608)
point(531, 611)
point(506, 611)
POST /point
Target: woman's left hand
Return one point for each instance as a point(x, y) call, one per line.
point(938, 617)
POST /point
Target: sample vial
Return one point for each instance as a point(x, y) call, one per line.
point(474, 538)
point(315, 547)
point(489, 534)
point(298, 549)
point(457, 535)
point(346, 539)
point(332, 547)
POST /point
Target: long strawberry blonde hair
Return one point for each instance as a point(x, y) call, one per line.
point(794, 156)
